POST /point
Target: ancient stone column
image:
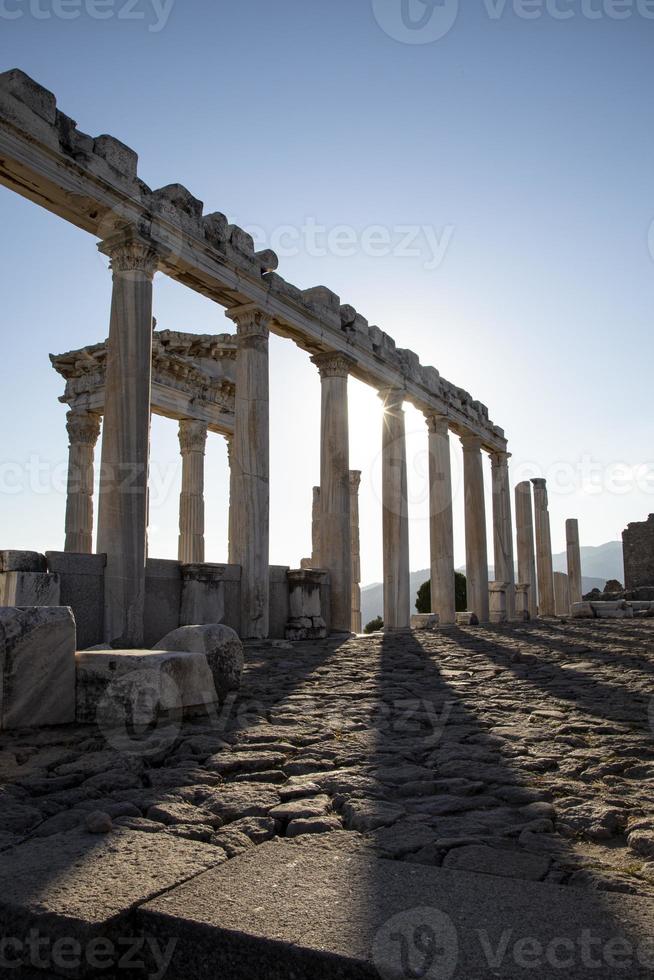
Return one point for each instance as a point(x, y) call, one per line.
point(561, 594)
point(250, 504)
point(395, 513)
point(230, 515)
point(475, 517)
point(546, 603)
point(574, 560)
point(441, 527)
point(83, 431)
point(524, 520)
point(315, 529)
point(192, 444)
point(122, 513)
point(503, 528)
point(355, 483)
point(335, 535)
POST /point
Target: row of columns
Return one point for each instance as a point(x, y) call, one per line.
point(535, 566)
point(122, 520)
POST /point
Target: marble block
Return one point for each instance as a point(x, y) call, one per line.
point(220, 646)
point(37, 667)
point(425, 621)
point(21, 589)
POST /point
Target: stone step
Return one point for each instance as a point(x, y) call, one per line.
point(302, 911)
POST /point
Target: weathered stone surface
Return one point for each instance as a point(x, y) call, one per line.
point(22, 561)
point(341, 915)
point(221, 647)
point(120, 687)
point(425, 621)
point(29, 589)
point(37, 667)
point(493, 861)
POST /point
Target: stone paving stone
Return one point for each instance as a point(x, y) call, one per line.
point(332, 916)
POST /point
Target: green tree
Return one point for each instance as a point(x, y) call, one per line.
point(374, 625)
point(423, 600)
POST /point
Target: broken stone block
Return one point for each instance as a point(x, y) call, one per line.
point(219, 644)
point(176, 197)
point(425, 621)
point(124, 690)
point(467, 619)
point(29, 589)
point(583, 610)
point(215, 227)
point(203, 594)
point(33, 95)
point(119, 156)
point(267, 259)
point(37, 667)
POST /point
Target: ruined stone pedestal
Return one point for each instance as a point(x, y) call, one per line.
point(37, 667)
point(306, 620)
point(497, 592)
point(523, 602)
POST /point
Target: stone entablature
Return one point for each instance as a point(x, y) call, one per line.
point(193, 376)
point(93, 183)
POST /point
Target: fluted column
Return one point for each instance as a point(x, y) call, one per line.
point(232, 496)
point(395, 513)
point(315, 528)
point(250, 505)
point(122, 516)
point(355, 483)
point(192, 444)
point(475, 517)
point(524, 520)
point(574, 560)
point(335, 535)
point(441, 525)
point(546, 603)
point(503, 528)
point(83, 431)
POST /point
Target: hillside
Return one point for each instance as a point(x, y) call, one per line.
point(598, 564)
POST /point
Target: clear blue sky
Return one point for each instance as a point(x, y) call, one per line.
point(525, 146)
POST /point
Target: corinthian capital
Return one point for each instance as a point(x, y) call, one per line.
point(333, 364)
point(129, 251)
point(192, 436)
point(355, 481)
point(250, 321)
point(500, 459)
point(83, 427)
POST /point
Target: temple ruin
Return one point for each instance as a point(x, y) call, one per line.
point(219, 384)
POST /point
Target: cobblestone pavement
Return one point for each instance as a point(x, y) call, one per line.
point(522, 751)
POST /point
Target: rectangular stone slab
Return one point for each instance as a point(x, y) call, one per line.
point(82, 885)
point(37, 667)
point(306, 911)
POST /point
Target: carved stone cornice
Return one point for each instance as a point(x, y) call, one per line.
point(83, 427)
point(192, 436)
point(333, 364)
point(130, 252)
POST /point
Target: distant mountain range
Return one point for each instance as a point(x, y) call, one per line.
point(598, 566)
